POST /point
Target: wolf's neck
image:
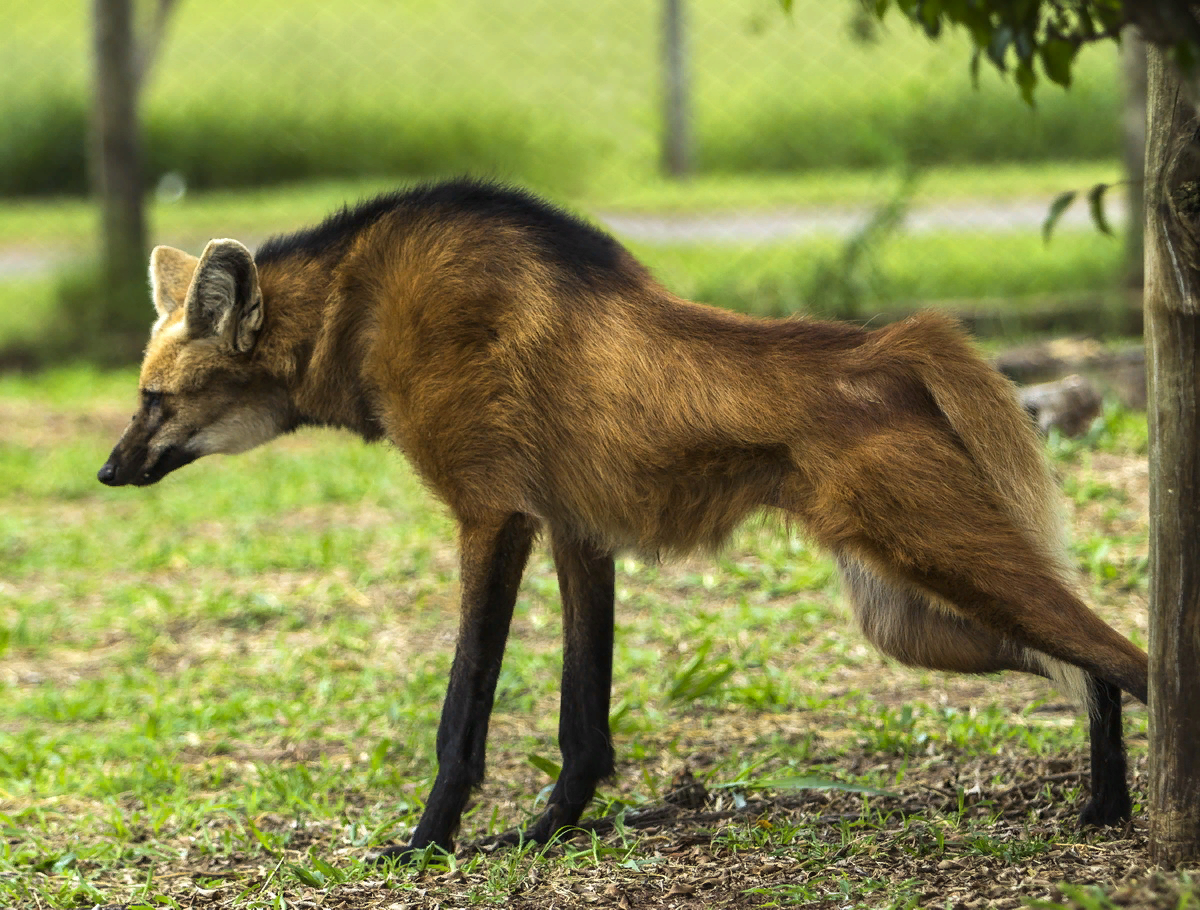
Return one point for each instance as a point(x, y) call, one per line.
point(313, 343)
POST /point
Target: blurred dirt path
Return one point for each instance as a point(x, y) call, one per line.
point(17, 262)
point(841, 221)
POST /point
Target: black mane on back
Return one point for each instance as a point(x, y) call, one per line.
point(332, 235)
point(573, 243)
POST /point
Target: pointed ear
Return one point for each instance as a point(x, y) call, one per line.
point(171, 272)
point(224, 299)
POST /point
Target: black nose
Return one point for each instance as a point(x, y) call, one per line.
point(107, 474)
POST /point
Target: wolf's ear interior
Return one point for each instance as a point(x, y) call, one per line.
point(224, 299)
point(171, 272)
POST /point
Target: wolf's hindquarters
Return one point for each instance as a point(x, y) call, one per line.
point(952, 510)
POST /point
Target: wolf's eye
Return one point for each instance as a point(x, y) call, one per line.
point(152, 403)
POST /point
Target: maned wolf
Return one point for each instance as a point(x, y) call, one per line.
point(538, 377)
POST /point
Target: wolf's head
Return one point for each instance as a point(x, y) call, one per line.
point(201, 390)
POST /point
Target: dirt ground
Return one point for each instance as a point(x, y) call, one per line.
point(1007, 846)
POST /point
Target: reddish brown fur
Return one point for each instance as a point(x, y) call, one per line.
point(620, 416)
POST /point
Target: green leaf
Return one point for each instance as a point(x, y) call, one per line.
point(1057, 207)
point(681, 682)
point(930, 15)
point(262, 839)
point(618, 713)
point(786, 6)
point(1111, 15)
point(331, 873)
point(544, 765)
point(1058, 55)
point(379, 753)
point(1002, 38)
point(1085, 26)
point(693, 681)
point(1025, 44)
point(979, 24)
point(307, 876)
point(1026, 81)
point(1095, 198)
point(66, 861)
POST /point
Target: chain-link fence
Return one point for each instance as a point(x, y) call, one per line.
point(821, 160)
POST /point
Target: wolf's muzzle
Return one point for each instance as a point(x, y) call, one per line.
point(118, 472)
point(108, 474)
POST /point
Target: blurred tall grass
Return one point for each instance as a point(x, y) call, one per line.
point(564, 96)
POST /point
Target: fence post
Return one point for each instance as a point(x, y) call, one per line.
point(116, 147)
point(677, 140)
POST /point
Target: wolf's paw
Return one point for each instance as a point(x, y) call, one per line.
point(1106, 809)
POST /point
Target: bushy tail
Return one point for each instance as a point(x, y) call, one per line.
point(982, 407)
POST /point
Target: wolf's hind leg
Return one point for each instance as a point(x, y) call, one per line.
point(1110, 803)
point(908, 625)
point(586, 583)
point(912, 505)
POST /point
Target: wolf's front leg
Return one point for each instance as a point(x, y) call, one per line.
point(493, 559)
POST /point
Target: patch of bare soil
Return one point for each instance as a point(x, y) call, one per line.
point(949, 837)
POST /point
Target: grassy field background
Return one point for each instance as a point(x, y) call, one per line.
point(298, 108)
point(564, 96)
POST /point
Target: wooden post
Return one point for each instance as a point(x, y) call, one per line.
point(118, 166)
point(677, 141)
point(1172, 328)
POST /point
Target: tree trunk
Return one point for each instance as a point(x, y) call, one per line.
point(1172, 327)
point(677, 141)
point(118, 166)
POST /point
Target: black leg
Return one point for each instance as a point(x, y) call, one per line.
point(493, 559)
point(585, 580)
point(1110, 803)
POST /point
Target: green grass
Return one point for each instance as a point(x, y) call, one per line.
point(561, 95)
point(905, 271)
point(27, 306)
point(230, 681)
